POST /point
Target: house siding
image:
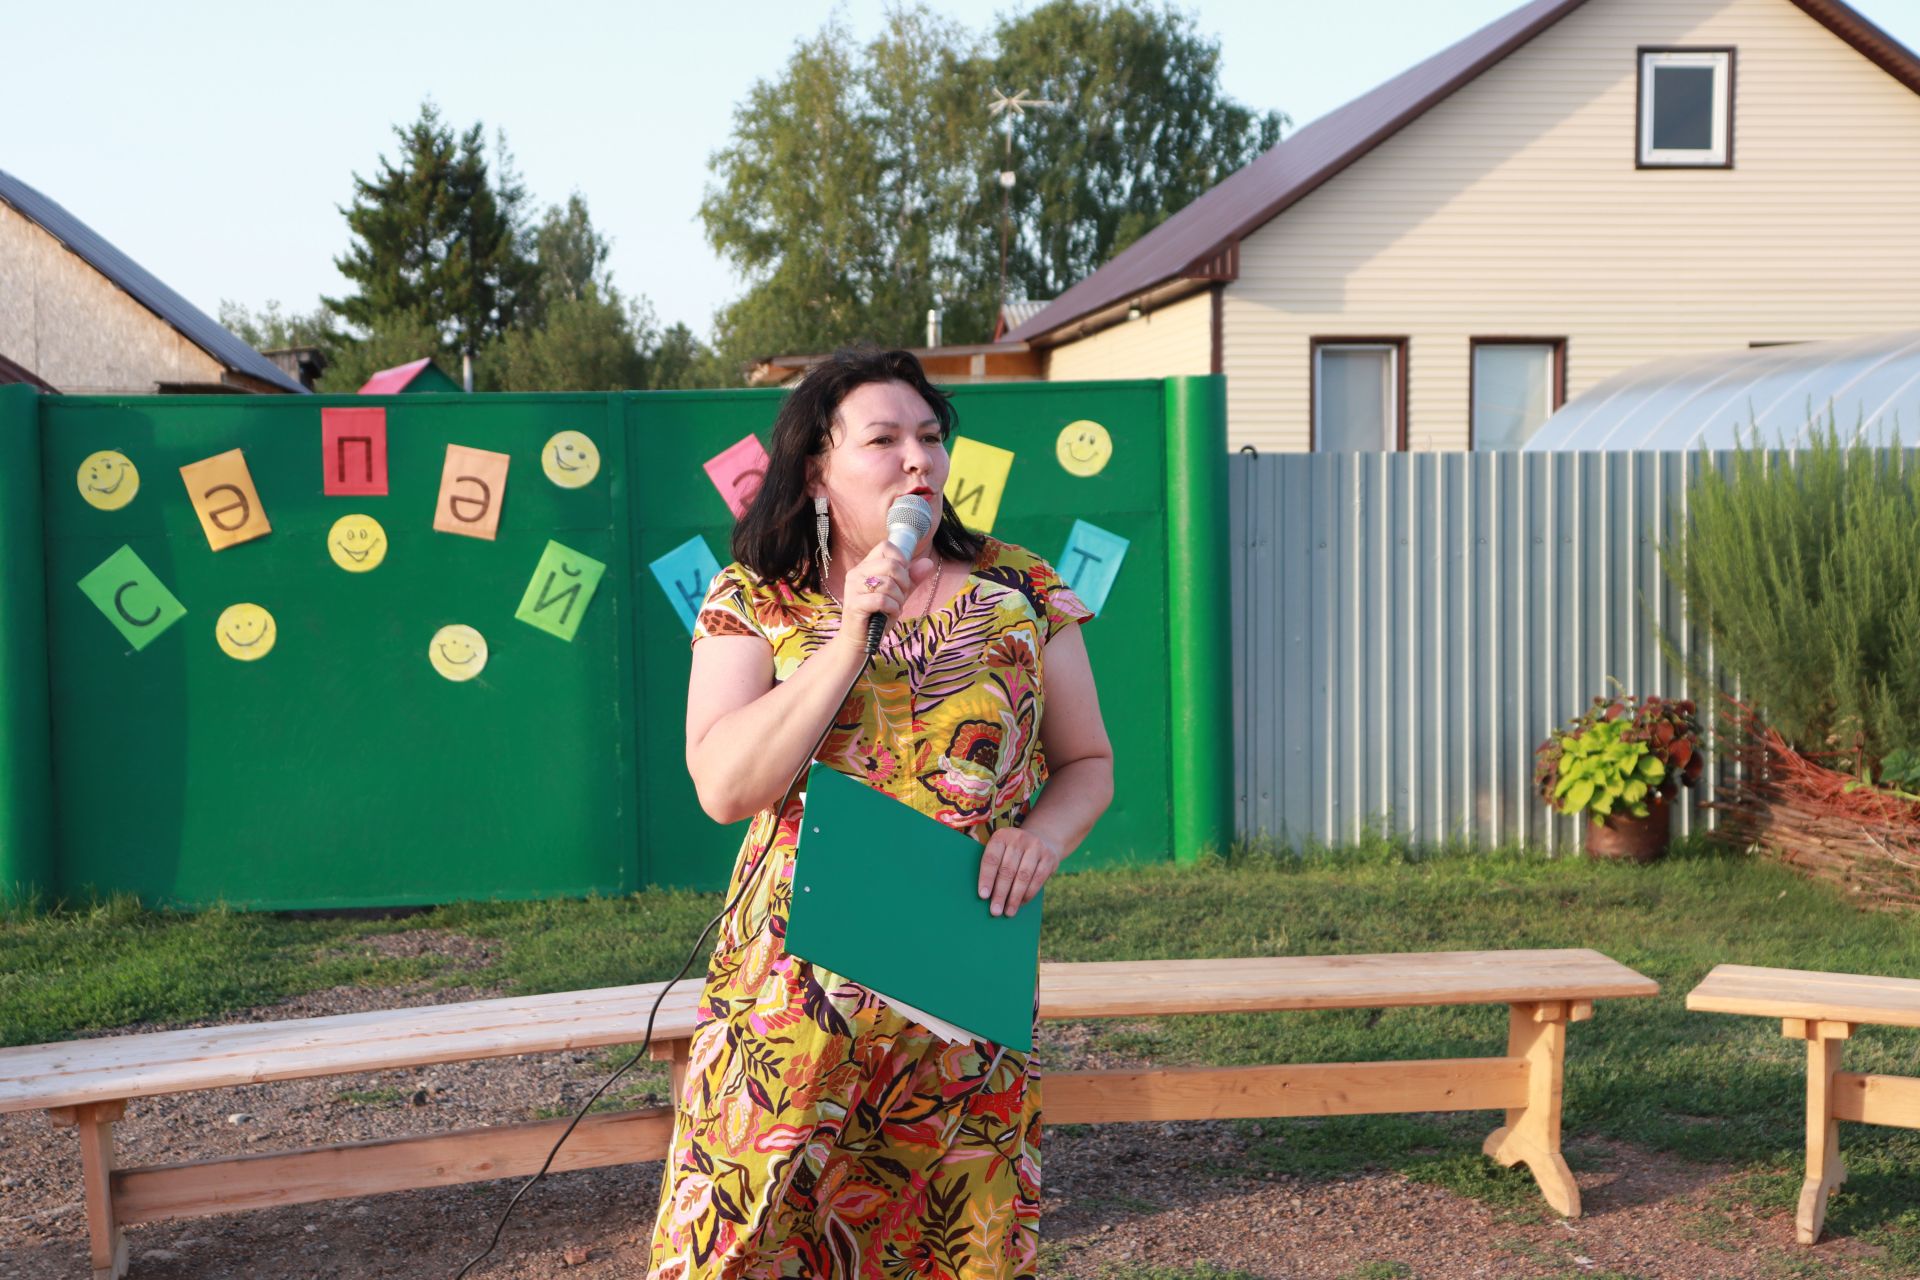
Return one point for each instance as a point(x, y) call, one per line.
point(79, 331)
point(1515, 208)
point(1163, 343)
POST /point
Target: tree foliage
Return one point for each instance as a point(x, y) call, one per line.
point(274, 328)
point(1144, 128)
point(350, 361)
point(438, 236)
point(835, 193)
point(445, 260)
point(391, 339)
point(861, 186)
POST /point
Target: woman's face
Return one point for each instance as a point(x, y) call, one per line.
point(884, 442)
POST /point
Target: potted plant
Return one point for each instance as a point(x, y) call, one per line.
point(1620, 762)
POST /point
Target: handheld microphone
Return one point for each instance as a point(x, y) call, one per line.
point(909, 519)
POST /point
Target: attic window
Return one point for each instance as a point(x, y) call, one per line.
point(1686, 108)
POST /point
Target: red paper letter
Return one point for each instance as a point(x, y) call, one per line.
point(353, 452)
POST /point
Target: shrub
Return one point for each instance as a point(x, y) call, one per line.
point(1804, 569)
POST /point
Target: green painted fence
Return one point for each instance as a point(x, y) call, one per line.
point(341, 770)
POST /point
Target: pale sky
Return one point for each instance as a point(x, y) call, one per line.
point(212, 142)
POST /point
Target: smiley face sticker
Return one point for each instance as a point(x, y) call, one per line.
point(570, 459)
point(357, 543)
point(458, 652)
point(1084, 448)
point(108, 480)
point(245, 632)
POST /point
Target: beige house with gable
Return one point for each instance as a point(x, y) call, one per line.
point(1580, 187)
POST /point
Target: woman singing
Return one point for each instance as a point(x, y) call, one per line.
point(820, 1133)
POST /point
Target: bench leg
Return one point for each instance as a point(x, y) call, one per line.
point(676, 1054)
point(1537, 1034)
point(1825, 1169)
point(107, 1245)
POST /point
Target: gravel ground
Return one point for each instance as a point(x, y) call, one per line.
point(1116, 1195)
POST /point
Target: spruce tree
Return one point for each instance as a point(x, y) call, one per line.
point(438, 240)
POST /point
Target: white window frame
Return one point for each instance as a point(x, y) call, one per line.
point(1719, 155)
point(1555, 385)
point(1396, 375)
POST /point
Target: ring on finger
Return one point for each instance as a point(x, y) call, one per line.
point(873, 583)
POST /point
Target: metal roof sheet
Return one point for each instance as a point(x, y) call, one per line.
point(12, 372)
point(389, 381)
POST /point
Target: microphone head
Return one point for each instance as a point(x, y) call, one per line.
point(912, 513)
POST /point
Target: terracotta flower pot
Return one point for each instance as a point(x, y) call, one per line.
point(1634, 839)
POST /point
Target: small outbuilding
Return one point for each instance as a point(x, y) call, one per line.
point(415, 375)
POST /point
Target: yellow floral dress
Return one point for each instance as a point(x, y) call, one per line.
point(820, 1133)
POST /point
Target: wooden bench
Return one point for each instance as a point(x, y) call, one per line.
point(87, 1083)
point(1823, 1009)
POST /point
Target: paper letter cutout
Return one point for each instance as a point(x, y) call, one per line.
point(221, 490)
point(353, 452)
point(1091, 562)
point(563, 585)
point(685, 573)
point(473, 484)
point(737, 473)
point(975, 482)
point(133, 599)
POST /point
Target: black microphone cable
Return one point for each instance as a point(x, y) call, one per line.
point(646, 1041)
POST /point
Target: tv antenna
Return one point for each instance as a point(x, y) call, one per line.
point(1010, 107)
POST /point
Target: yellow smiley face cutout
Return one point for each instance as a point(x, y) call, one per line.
point(357, 543)
point(570, 460)
point(245, 632)
point(1084, 448)
point(458, 652)
point(108, 480)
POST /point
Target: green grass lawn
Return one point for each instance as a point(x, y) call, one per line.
point(1644, 1071)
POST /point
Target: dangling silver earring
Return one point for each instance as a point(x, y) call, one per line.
point(820, 522)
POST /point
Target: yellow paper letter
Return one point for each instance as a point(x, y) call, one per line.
point(975, 482)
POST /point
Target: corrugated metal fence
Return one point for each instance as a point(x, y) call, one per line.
point(1408, 627)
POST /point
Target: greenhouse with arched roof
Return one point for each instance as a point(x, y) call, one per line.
point(1869, 388)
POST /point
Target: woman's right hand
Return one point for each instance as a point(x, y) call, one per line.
point(895, 577)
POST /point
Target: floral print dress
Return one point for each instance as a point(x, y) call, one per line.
point(820, 1133)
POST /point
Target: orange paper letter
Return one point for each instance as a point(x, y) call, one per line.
point(473, 484)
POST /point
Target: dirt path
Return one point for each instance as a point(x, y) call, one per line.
point(1162, 1195)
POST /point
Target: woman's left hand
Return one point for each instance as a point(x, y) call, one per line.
point(1015, 863)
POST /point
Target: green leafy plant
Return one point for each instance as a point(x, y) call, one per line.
point(1899, 776)
point(1618, 755)
point(1901, 769)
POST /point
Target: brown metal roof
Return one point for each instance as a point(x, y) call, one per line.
point(11, 372)
point(1879, 48)
point(1202, 241)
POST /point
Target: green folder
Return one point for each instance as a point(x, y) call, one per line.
point(890, 898)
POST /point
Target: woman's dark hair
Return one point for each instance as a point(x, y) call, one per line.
point(776, 538)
